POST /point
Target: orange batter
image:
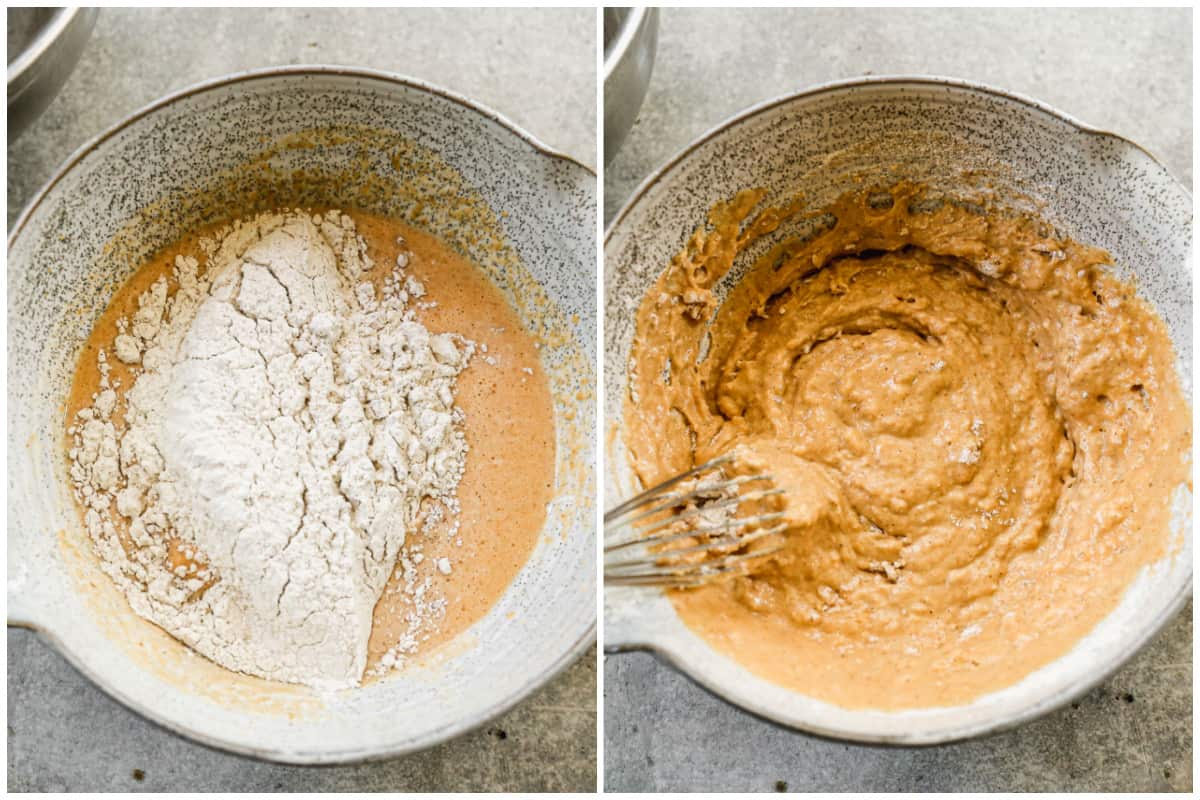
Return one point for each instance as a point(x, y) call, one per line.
point(979, 430)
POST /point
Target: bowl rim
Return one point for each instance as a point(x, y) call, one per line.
point(261, 73)
point(271, 752)
point(668, 653)
point(842, 84)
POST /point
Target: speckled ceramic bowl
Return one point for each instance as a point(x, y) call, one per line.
point(967, 139)
point(302, 135)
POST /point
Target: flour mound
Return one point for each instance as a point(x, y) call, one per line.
point(285, 428)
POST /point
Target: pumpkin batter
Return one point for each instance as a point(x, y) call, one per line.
point(508, 423)
point(978, 428)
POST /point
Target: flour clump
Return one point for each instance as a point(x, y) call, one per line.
point(251, 491)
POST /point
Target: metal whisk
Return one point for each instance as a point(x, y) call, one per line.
point(637, 555)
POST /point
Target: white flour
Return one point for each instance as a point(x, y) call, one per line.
point(285, 427)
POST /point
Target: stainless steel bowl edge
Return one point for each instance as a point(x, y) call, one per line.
point(628, 65)
point(39, 72)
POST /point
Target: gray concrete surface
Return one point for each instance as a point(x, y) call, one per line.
point(1127, 71)
point(537, 68)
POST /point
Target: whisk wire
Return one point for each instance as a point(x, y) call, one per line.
point(675, 500)
point(647, 559)
point(613, 514)
point(676, 577)
point(709, 546)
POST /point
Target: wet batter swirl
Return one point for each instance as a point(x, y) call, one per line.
point(979, 428)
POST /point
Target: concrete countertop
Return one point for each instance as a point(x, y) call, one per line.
point(536, 68)
point(1128, 71)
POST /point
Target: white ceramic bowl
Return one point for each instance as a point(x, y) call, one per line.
point(319, 135)
point(1097, 187)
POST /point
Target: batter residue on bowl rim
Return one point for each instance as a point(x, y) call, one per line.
point(454, 567)
point(980, 430)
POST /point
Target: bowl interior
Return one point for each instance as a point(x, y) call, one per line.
point(303, 137)
point(969, 142)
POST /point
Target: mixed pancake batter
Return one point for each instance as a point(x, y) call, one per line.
point(978, 428)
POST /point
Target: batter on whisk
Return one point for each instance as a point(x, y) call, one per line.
point(979, 427)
